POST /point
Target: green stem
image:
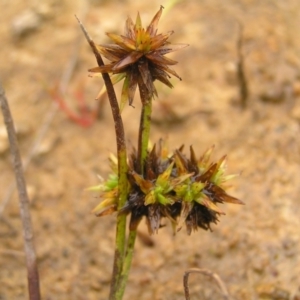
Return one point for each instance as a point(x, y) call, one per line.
point(144, 134)
point(127, 264)
point(121, 228)
point(122, 172)
point(143, 141)
point(145, 124)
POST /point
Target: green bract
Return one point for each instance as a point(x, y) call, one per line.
point(184, 190)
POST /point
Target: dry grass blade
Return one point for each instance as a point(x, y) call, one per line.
point(32, 270)
point(208, 273)
point(241, 77)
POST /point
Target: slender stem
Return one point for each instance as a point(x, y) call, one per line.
point(144, 133)
point(127, 264)
point(145, 124)
point(121, 228)
point(122, 172)
point(32, 270)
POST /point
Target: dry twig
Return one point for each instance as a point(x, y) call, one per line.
point(208, 273)
point(32, 270)
point(241, 77)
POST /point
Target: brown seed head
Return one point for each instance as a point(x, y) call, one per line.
point(139, 53)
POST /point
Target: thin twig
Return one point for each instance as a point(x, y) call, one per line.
point(241, 77)
point(208, 273)
point(122, 170)
point(120, 134)
point(32, 270)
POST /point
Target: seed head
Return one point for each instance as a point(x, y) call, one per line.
point(183, 190)
point(138, 57)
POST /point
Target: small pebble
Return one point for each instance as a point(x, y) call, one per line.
point(46, 146)
point(272, 95)
point(4, 145)
point(44, 10)
point(270, 291)
point(23, 129)
point(31, 191)
point(230, 69)
point(296, 88)
point(25, 23)
point(296, 297)
point(295, 113)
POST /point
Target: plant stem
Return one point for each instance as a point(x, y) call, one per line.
point(32, 270)
point(144, 133)
point(127, 264)
point(121, 227)
point(145, 124)
point(122, 172)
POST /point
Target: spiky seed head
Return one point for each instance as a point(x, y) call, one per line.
point(139, 58)
point(185, 190)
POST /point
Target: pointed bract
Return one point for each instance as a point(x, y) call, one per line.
point(152, 28)
point(139, 53)
point(181, 189)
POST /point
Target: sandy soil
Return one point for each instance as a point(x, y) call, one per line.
point(254, 248)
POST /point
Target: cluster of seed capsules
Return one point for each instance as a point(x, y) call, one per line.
point(185, 190)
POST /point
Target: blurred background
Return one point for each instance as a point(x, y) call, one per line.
point(240, 92)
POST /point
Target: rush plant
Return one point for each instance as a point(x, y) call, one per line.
point(150, 183)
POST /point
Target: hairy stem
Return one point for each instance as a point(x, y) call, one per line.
point(32, 270)
point(122, 173)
